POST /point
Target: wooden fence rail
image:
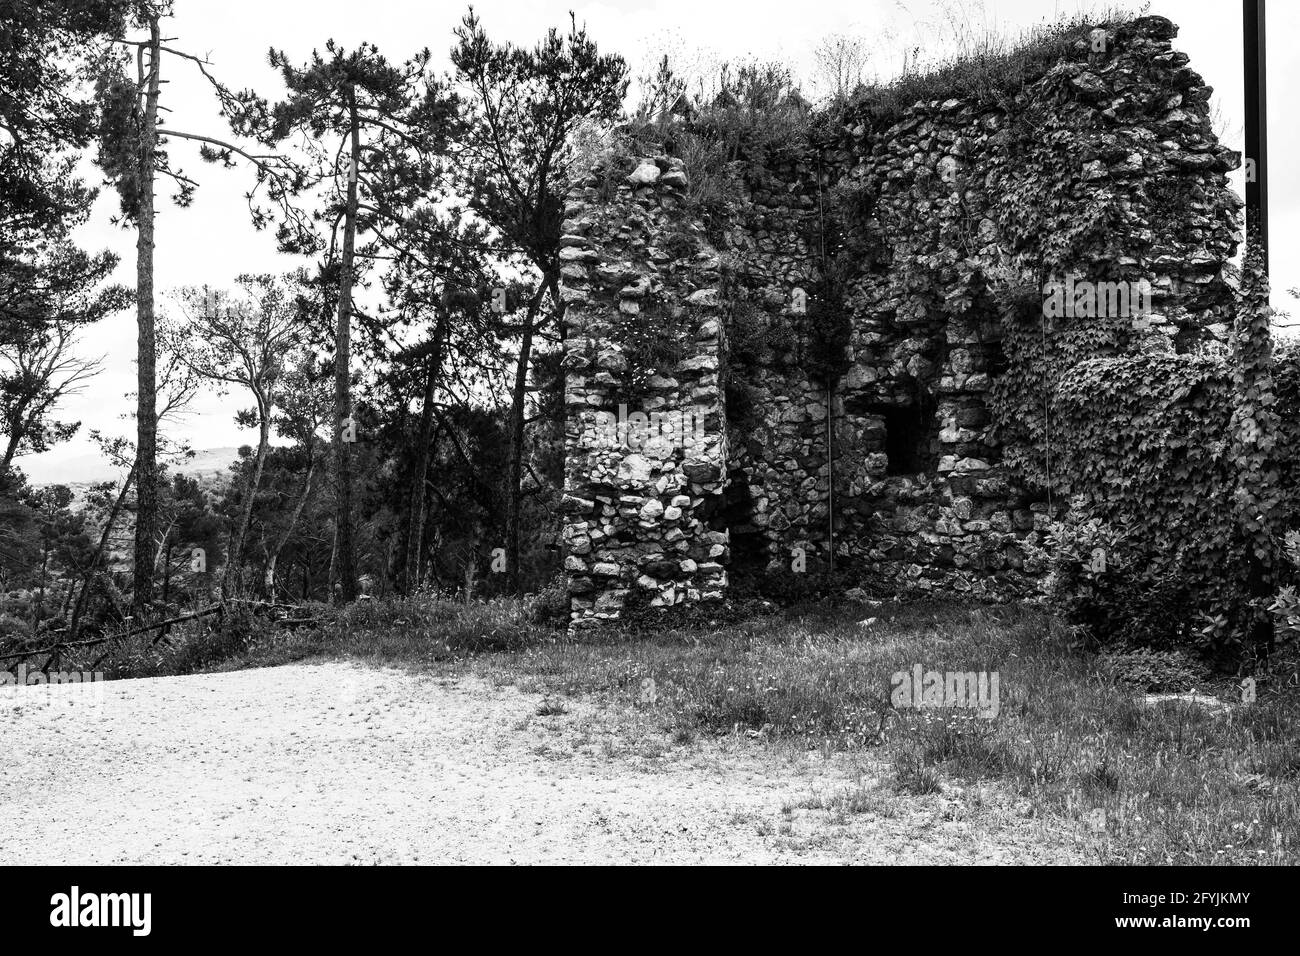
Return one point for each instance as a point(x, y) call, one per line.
point(54, 648)
point(258, 607)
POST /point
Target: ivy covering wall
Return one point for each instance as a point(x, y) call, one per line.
point(1182, 460)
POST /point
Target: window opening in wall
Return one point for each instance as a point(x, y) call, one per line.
point(911, 436)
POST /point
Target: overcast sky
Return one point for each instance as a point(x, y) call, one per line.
point(212, 241)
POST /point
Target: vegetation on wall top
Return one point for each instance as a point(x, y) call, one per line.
point(990, 68)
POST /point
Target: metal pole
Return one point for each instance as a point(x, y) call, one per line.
point(830, 474)
point(1254, 60)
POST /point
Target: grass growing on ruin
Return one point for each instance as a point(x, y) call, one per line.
point(985, 65)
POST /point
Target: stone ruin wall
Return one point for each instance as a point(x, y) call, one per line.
point(933, 510)
point(637, 517)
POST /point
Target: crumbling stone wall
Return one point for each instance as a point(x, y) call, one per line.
point(928, 207)
point(636, 505)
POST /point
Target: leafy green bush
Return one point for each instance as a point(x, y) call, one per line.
point(187, 648)
point(1285, 606)
point(752, 118)
point(1171, 670)
point(752, 331)
point(1111, 589)
point(1148, 445)
point(550, 606)
point(440, 627)
point(830, 325)
point(12, 628)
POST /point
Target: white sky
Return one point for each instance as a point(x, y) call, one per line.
point(212, 241)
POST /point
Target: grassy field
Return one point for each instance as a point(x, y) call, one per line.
point(1166, 782)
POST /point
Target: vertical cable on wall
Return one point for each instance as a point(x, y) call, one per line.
point(830, 384)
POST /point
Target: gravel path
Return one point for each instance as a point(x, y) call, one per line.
point(342, 763)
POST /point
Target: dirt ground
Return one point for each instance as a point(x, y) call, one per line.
point(337, 762)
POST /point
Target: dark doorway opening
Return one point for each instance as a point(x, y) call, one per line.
point(911, 435)
point(747, 541)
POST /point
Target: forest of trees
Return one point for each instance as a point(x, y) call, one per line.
point(404, 386)
point(401, 373)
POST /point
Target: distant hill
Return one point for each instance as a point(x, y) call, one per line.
point(81, 470)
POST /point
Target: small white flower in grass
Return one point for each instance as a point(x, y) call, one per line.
point(649, 695)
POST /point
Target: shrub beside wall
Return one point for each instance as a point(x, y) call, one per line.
point(1142, 443)
point(1154, 450)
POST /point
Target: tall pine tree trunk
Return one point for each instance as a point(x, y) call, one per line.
point(344, 566)
point(146, 452)
point(514, 477)
point(279, 546)
point(235, 562)
point(419, 494)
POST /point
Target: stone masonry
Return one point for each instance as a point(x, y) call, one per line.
point(921, 498)
point(635, 502)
